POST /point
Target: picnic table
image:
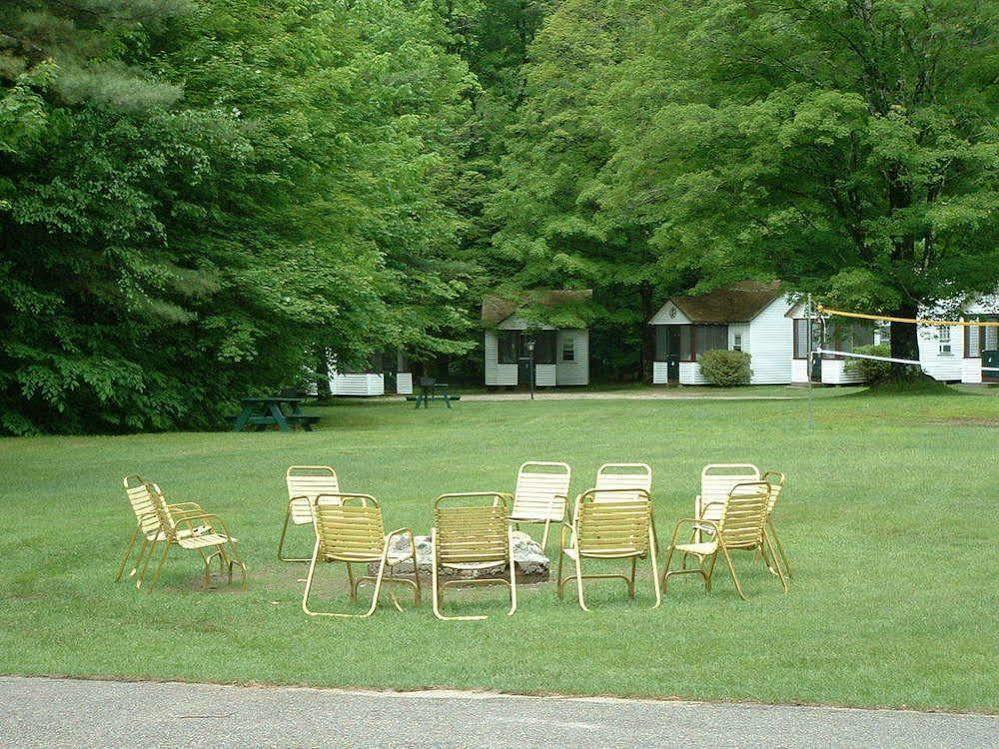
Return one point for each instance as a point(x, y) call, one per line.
point(429, 389)
point(263, 412)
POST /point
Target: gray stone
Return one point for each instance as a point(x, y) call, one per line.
point(531, 560)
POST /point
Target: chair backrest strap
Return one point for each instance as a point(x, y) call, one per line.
point(349, 524)
point(308, 482)
point(541, 492)
point(621, 476)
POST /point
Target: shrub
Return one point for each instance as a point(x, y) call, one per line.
point(873, 372)
point(725, 368)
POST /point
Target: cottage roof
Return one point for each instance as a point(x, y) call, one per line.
point(740, 302)
point(496, 309)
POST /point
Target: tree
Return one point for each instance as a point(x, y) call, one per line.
point(553, 229)
point(848, 147)
point(196, 198)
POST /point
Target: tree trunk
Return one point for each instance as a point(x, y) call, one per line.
point(323, 372)
point(646, 332)
point(905, 343)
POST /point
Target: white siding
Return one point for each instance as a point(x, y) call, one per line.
point(940, 366)
point(771, 344)
point(544, 375)
point(659, 376)
point(577, 371)
point(362, 384)
point(690, 374)
point(799, 370)
point(834, 372)
point(404, 383)
point(497, 375)
point(971, 371)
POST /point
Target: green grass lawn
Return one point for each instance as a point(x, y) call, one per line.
point(889, 519)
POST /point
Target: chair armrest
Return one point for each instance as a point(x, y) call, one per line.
point(694, 523)
point(401, 532)
point(210, 520)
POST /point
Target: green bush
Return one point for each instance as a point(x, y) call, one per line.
point(726, 368)
point(873, 372)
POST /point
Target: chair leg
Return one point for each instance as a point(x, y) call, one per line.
point(513, 577)
point(416, 576)
point(308, 581)
point(655, 569)
point(159, 568)
point(631, 583)
point(776, 563)
point(145, 564)
point(579, 581)
point(143, 547)
point(284, 533)
point(731, 569)
point(559, 582)
point(780, 548)
point(664, 579)
point(709, 575)
point(128, 554)
point(544, 537)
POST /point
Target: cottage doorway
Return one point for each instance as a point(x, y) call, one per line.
point(673, 354)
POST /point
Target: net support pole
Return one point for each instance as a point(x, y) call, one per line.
point(811, 367)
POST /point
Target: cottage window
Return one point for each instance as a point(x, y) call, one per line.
point(802, 335)
point(943, 341)
point(569, 348)
point(544, 347)
point(978, 338)
point(709, 338)
point(737, 342)
point(508, 346)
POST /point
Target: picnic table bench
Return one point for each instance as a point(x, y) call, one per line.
point(430, 390)
point(268, 411)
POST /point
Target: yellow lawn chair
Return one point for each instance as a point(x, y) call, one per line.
point(471, 531)
point(541, 495)
point(620, 477)
point(305, 483)
point(203, 532)
point(350, 529)
point(142, 498)
point(602, 529)
point(717, 482)
point(740, 527)
point(776, 480)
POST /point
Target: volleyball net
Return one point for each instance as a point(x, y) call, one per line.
point(826, 312)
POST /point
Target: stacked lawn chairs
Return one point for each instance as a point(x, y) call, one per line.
point(183, 525)
point(541, 496)
point(604, 528)
point(717, 482)
point(471, 531)
point(305, 483)
point(776, 480)
point(736, 524)
point(350, 530)
point(142, 497)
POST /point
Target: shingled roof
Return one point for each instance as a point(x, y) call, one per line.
point(740, 302)
point(496, 309)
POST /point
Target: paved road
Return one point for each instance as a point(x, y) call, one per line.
point(65, 712)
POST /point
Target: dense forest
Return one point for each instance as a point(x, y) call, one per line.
point(198, 198)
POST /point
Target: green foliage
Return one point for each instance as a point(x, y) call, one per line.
point(726, 368)
point(873, 372)
point(198, 199)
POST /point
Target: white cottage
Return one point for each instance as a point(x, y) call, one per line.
point(844, 335)
point(561, 354)
point(957, 353)
point(748, 316)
